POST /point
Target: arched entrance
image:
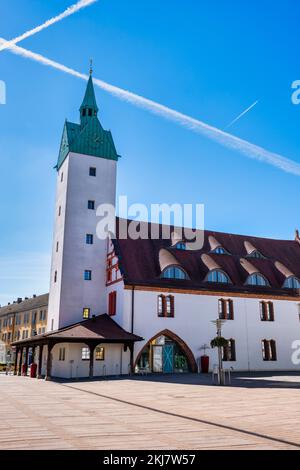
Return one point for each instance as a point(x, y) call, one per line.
point(166, 353)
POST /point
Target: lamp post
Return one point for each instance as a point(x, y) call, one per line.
point(219, 323)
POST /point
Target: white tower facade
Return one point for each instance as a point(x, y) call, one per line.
point(86, 178)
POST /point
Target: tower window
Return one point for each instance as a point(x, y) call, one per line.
point(165, 306)
point(91, 205)
point(57, 247)
point(83, 112)
point(89, 239)
point(59, 211)
point(87, 275)
point(86, 313)
point(62, 177)
point(55, 276)
point(93, 171)
point(90, 111)
point(112, 303)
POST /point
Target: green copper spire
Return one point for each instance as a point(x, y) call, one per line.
point(89, 106)
point(88, 137)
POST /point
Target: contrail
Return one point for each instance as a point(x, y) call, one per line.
point(240, 115)
point(227, 140)
point(69, 11)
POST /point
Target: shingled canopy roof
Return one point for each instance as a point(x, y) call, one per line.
point(101, 328)
point(139, 262)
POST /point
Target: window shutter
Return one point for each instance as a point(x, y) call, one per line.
point(231, 313)
point(164, 306)
point(273, 350)
point(271, 311)
point(263, 311)
point(172, 306)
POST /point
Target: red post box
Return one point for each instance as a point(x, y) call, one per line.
point(24, 369)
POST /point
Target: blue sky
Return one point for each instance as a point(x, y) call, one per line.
point(210, 60)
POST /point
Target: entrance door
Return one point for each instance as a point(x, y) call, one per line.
point(157, 357)
point(168, 359)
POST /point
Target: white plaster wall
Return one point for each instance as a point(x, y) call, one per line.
point(72, 293)
point(192, 323)
point(116, 361)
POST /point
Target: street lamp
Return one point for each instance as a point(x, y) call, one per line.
point(219, 323)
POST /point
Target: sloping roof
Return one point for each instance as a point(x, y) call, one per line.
point(139, 261)
point(101, 328)
point(26, 305)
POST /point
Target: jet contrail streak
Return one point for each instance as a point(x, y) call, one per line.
point(241, 115)
point(227, 140)
point(69, 11)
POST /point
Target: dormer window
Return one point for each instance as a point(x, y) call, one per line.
point(174, 272)
point(257, 279)
point(218, 276)
point(292, 283)
point(220, 251)
point(256, 254)
point(180, 246)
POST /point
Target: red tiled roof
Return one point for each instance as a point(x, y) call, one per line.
point(139, 262)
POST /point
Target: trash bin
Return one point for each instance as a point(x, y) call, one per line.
point(33, 369)
point(24, 369)
point(204, 364)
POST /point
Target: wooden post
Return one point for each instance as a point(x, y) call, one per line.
point(40, 363)
point(49, 361)
point(16, 361)
point(131, 349)
point(92, 350)
point(20, 361)
point(26, 359)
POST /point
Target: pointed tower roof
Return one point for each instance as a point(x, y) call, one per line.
point(88, 137)
point(89, 100)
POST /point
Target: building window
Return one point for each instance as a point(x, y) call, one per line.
point(180, 246)
point(112, 303)
point(89, 239)
point(85, 354)
point(218, 277)
point(257, 280)
point(93, 171)
point(220, 251)
point(62, 177)
point(226, 309)
point(269, 350)
point(256, 254)
point(266, 311)
point(86, 313)
point(57, 247)
point(166, 306)
point(55, 276)
point(59, 211)
point(161, 305)
point(91, 205)
point(229, 351)
point(87, 275)
point(292, 283)
point(99, 353)
point(173, 272)
point(62, 354)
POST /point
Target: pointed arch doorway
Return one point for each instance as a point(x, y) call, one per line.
point(166, 353)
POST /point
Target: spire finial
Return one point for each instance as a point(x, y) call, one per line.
point(91, 66)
